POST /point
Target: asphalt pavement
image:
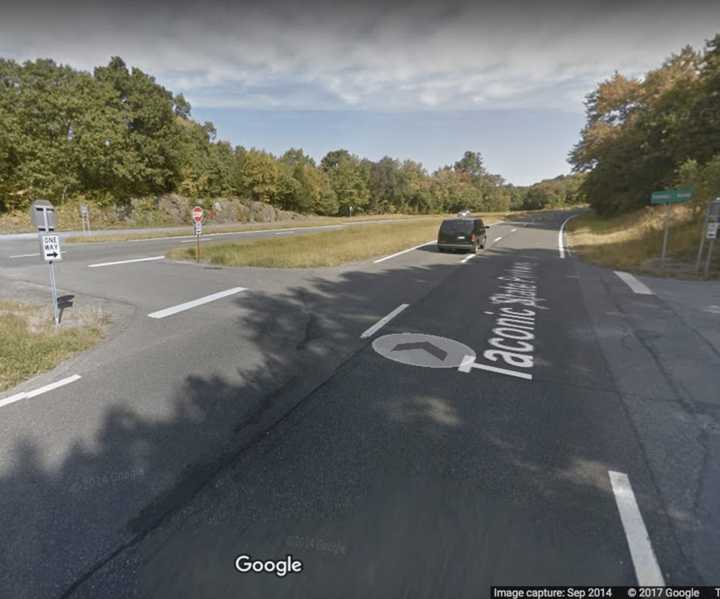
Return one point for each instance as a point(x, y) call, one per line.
point(425, 426)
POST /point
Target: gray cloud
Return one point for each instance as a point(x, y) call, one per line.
point(375, 56)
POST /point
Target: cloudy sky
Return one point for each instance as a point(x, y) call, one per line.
point(422, 80)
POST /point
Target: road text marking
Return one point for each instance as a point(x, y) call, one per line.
point(469, 363)
point(643, 557)
point(39, 391)
point(403, 252)
point(383, 321)
point(194, 303)
point(561, 233)
point(99, 264)
point(634, 284)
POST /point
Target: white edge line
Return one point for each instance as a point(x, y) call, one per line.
point(194, 303)
point(497, 239)
point(99, 264)
point(643, 557)
point(403, 252)
point(25, 255)
point(561, 233)
point(635, 284)
point(39, 391)
point(383, 321)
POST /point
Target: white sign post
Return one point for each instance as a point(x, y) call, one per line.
point(42, 213)
point(197, 216)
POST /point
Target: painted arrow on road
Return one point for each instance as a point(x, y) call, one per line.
point(433, 350)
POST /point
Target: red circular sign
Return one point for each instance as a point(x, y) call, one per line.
point(197, 214)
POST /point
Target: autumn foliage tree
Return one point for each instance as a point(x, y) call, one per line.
point(644, 134)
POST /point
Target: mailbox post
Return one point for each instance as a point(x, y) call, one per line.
point(43, 217)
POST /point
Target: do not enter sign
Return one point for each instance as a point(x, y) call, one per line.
point(197, 214)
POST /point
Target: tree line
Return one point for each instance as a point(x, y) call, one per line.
point(653, 132)
point(115, 134)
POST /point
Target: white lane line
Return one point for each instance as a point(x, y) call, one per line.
point(634, 284)
point(383, 321)
point(194, 303)
point(643, 557)
point(39, 391)
point(149, 239)
point(561, 233)
point(466, 258)
point(26, 255)
point(403, 252)
point(99, 264)
point(513, 230)
point(496, 240)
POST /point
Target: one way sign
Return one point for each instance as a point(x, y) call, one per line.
point(51, 248)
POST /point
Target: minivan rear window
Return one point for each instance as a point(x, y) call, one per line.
point(456, 226)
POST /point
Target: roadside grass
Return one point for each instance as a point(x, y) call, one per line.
point(319, 249)
point(30, 343)
point(237, 228)
point(633, 241)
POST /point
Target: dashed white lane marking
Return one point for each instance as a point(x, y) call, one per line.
point(383, 321)
point(403, 252)
point(194, 303)
point(466, 258)
point(713, 309)
point(634, 284)
point(643, 557)
point(496, 239)
point(561, 236)
point(513, 230)
point(26, 255)
point(39, 391)
point(151, 258)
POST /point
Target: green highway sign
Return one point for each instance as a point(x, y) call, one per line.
point(671, 196)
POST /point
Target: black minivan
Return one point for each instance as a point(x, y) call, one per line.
point(462, 234)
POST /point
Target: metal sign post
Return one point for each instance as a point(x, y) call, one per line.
point(710, 232)
point(665, 236)
point(197, 216)
point(85, 218)
point(42, 213)
point(698, 262)
point(667, 197)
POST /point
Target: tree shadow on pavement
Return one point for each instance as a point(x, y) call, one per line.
point(67, 518)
